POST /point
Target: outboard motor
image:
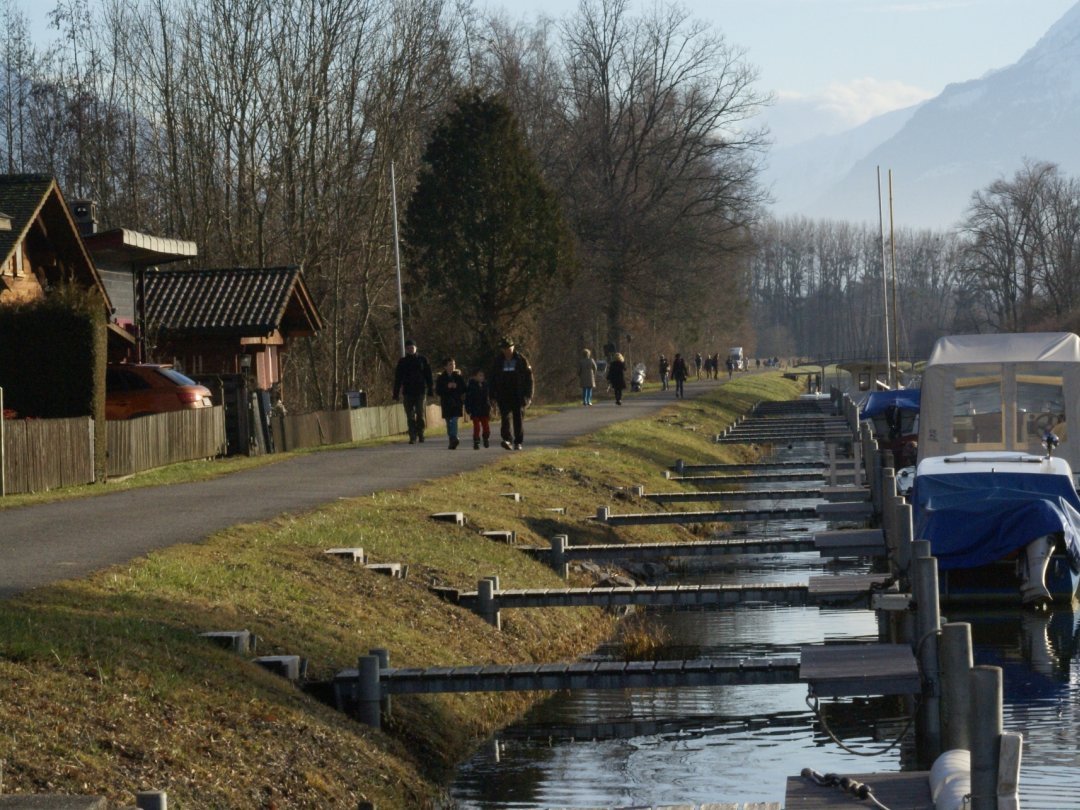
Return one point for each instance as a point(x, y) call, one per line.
point(1032, 566)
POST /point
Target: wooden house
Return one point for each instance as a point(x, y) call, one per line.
point(228, 321)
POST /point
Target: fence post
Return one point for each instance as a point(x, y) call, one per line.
point(956, 664)
point(986, 697)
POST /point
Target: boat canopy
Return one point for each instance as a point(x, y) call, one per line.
point(1001, 392)
point(906, 399)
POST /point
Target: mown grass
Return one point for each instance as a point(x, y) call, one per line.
point(106, 689)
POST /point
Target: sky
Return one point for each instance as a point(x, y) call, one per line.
point(833, 64)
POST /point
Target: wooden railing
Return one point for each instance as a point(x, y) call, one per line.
point(43, 454)
point(154, 441)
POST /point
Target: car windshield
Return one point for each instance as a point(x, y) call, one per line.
point(176, 377)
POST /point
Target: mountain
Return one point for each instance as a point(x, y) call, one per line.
point(950, 146)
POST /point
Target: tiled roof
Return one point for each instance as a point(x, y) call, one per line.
point(248, 302)
point(21, 196)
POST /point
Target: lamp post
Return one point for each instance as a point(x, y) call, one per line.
point(397, 261)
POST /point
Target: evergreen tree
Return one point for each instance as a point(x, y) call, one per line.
point(483, 233)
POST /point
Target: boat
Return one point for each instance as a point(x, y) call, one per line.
point(994, 489)
point(894, 419)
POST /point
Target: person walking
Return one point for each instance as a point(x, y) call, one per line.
point(412, 380)
point(616, 376)
point(697, 364)
point(679, 373)
point(665, 369)
point(511, 390)
point(587, 376)
point(478, 407)
point(450, 387)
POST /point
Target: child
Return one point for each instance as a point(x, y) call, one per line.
point(450, 388)
point(478, 406)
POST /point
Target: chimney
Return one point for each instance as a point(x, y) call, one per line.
point(85, 214)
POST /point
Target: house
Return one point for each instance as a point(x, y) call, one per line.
point(228, 321)
point(40, 246)
point(122, 257)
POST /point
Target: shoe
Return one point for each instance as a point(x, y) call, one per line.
point(506, 445)
point(517, 446)
point(420, 438)
point(476, 444)
point(454, 443)
point(485, 441)
point(412, 440)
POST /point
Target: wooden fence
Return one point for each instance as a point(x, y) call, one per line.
point(165, 438)
point(43, 454)
point(292, 432)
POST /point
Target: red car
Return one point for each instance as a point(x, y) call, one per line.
point(140, 389)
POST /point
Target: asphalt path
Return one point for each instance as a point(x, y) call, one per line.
point(68, 539)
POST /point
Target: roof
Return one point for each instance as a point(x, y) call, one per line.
point(23, 197)
point(1027, 347)
point(246, 302)
point(122, 246)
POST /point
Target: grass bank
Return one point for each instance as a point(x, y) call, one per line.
point(106, 689)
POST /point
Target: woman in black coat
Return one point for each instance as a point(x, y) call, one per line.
point(616, 376)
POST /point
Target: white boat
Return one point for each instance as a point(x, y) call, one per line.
point(994, 490)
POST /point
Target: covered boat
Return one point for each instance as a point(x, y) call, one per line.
point(994, 490)
point(894, 415)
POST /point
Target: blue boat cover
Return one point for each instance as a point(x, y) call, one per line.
point(972, 519)
point(906, 399)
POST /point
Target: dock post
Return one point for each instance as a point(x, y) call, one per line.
point(485, 590)
point(928, 626)
point(368, 691)
point(603, 513)
point(383, 655)
point(906, 536)
point(956, 664)
point(832, 465)
point(680, 466)
point(559, 545)
point(986, 712)
point(888, 512)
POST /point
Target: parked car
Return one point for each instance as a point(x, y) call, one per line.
point(133, 390)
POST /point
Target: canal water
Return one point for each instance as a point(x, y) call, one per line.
point(624, 748)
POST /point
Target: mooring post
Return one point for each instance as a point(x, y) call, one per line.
point(928, 625)
point(832, 465)
point(986, 713)
point(368, 691)
point(956, 664)
point(383, 655)
point(559, 544)
point(680, 465)
point(888, 493)
point(488, 610)
point(905, 523)
point(603, 513)
point(152, 800)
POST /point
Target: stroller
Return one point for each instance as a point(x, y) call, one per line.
point(637, 379)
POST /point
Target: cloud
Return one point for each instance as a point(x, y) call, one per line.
point(853, 102)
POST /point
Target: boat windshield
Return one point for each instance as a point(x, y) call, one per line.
point(1031, 403)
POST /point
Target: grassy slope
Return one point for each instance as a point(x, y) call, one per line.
point(105, 688)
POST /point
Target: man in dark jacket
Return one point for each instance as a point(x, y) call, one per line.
point(412, 379)
point(512, 390)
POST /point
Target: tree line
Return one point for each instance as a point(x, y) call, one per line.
point(265, 132)
point(1012, 264)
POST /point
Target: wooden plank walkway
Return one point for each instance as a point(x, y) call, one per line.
point(899, 791)
point(846, 494)
point(754, 478)
point(829, 671)
point(722, 516)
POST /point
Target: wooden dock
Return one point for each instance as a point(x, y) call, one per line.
point(900, 791)
point(714, 516)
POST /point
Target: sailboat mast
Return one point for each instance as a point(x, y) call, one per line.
point(884, 282)
point(895, 314)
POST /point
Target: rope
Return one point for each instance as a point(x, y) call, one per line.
point(857, 790)
point(814, 705)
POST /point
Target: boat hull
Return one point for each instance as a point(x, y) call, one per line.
point(997, 583)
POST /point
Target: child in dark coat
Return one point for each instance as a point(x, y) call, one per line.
point(450, 388)
point(478, 407)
